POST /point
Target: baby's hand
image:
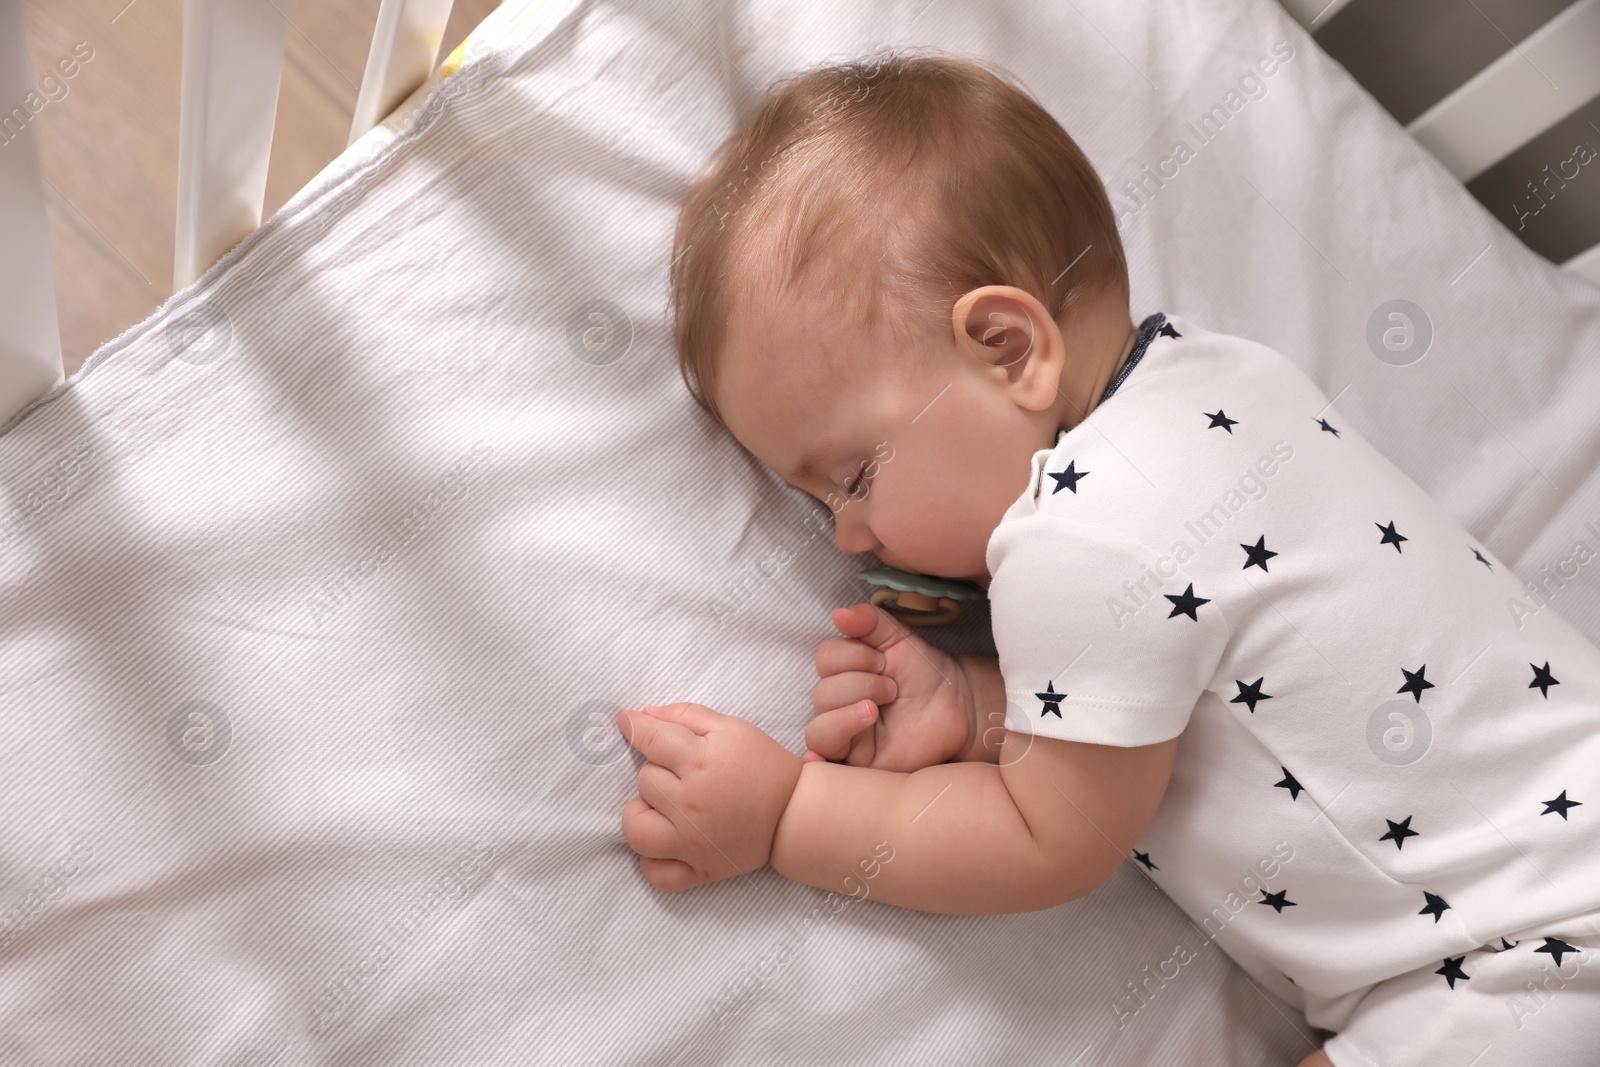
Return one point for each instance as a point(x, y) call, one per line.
point(887, 698)
point(709, 799)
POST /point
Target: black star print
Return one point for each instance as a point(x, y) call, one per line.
point(1507, 944)
point(1068, 479)
point(1052, 700)
point(1481, 560)
point(1144, 858)
point(1398, 832)
point(1259, 553)
point(1277, 901)
point(1326, 428)
point(1543, 679)
point(1391, 536)
point(1221, 419)
point(1560, 805)
point(1435, 905)
point(1249, 694)
point(1415, 683)
point(1452, 970)
point(1167, 330)
point(1185, 604)
point(1290, 784)
point(1556, 947)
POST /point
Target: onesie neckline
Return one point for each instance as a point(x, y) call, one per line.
point(1147, 333)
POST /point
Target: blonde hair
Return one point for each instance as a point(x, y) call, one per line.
point(913, 173)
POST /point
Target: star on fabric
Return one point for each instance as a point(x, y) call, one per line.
point(1415, 682)
point(1481, 560)
point(1560, 805)
point(1144, 858)
point(1399, 831)
point(1391, 536)
point(1068, 479)
point(1167, 330)
point(1452, 971)
point(1556, 947)
point(1327, 428)
point(1259, 553)
point(1052, 700)
point(1504, 944)
point(1249, 694)
point(1435, 905)
point(1186, 603)
point(1221, 419)
point(1277, 901)
point(1290, 783)
point(1543, 679)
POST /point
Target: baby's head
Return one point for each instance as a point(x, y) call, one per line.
point(898, 281)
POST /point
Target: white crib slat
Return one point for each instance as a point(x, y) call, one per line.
point(405, 44)
point(1518, 96)
point(1586, 265)
point(30, 338)
point(232, 61)
point(1313, 14)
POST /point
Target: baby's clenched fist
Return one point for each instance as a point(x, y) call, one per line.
point(887, 698)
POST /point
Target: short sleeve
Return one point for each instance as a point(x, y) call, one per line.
point(1100, 639)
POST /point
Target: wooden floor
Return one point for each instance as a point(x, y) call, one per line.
point(109, 143)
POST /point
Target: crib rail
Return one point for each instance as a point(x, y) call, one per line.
point(1505, 93)
point(30, 339)
point(232, 64)
point(405, 43)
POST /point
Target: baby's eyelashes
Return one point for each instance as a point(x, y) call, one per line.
point(858, 481)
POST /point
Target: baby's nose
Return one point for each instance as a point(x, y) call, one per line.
point(852, 536)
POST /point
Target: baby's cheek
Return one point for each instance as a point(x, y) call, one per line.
point(934, 529)
point(967, 515)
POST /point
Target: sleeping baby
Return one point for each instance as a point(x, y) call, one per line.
point(1238, 648)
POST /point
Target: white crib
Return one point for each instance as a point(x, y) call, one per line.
point(232, 63)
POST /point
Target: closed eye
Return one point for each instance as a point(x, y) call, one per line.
point(856, 484)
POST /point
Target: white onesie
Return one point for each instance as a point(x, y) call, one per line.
point(1390, 755)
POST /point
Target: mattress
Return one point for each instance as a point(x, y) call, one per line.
point(320, 585)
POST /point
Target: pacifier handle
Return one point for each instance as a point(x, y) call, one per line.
point(916, 609)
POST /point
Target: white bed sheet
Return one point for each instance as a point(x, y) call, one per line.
point(407, 849)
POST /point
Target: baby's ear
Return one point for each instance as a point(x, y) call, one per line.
point(1004, 327)
point(999, 331)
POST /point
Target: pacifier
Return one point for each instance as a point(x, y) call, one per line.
point(919, 599)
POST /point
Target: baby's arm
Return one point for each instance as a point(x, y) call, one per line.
point(1046, 824)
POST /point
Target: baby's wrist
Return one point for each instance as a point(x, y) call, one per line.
point(984, 693)
point(793, 788)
